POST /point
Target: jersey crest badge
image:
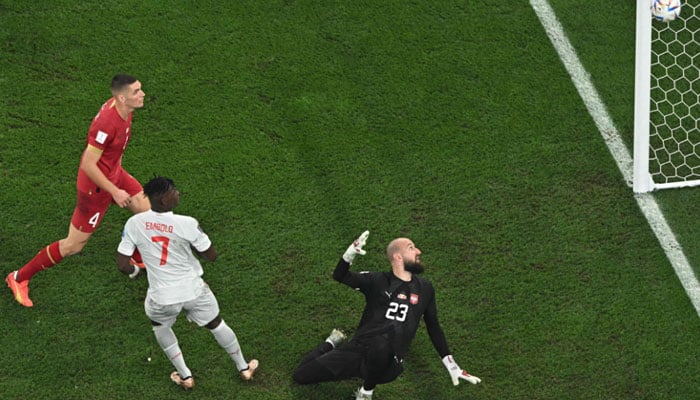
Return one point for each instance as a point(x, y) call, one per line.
point(414, 299)
point(101, 137)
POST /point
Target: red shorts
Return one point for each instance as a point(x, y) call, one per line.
point(92, 206)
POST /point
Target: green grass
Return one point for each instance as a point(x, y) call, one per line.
point(290, 127)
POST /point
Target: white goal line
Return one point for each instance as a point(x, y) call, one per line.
point(599, 113)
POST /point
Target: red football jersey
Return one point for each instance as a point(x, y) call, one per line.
point(110, 133)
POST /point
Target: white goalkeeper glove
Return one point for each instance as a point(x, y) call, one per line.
point(457, 373)
point(356, 248)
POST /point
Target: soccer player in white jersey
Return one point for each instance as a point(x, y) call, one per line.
point(166, 241)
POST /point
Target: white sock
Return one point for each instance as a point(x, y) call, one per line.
point(168, 342)
point(228, 341)
point(368, 392)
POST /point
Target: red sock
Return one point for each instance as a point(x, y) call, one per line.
point(44, 259)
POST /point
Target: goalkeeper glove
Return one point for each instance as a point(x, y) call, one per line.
point(356, 248)
point(457, 373)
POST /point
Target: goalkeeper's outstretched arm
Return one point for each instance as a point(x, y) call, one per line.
point(342, 272)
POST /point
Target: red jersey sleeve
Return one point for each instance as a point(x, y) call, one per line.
point(110, 133)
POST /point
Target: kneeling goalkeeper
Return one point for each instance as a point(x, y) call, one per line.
point(395, 303)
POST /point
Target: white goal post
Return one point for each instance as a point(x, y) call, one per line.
point(667, 100)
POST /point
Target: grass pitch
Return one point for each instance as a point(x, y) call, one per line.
point(292, 126)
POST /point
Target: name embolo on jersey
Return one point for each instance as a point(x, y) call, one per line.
point(394, 308)
point(165, 241)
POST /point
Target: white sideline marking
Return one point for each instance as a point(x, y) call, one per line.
point(598, 111)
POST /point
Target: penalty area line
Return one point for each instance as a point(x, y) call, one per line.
point(598, 111)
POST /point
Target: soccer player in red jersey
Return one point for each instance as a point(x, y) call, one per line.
point(101, 181)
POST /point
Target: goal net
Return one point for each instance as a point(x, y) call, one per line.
point(667, 100)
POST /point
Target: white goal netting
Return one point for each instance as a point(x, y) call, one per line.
point(673, 100)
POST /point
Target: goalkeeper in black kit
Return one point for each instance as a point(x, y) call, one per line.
point(395, 302)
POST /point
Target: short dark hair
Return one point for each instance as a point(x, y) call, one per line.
point(120, 81)
point(158, 186)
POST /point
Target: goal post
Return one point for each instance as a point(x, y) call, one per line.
point(642, 181)
point(667, 100)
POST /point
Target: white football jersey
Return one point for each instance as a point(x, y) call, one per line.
point(164, 240)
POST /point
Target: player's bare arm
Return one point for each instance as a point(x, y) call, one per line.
point(208, 254)
point(88, 163)
point(123, 264)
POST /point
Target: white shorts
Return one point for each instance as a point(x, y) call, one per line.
point(201, 310)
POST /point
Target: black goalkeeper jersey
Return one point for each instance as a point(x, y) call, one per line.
point(394, 308)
